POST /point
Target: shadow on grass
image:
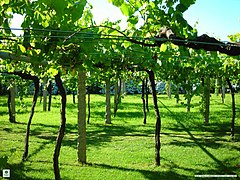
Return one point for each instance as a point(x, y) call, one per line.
point(104, 133)
point(194, 121)
point(18, 171)
point(210, 141)
point(221, 166)
point(148, 174)
point(215, 128)
point(13, 128)
point(99, 135)
point(4, 113)
point(40, 147)
point(152, 175)
point(122, 115)
point(229, 106)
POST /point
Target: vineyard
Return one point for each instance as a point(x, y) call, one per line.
point(62, 61)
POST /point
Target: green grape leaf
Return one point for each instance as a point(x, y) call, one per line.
point(187, 3)
point(22, 48)
point(125, 9)
point(163, 48)
point(77, 9)
point(117, 3)
point(133, 20)
point(181, 8)
point(60, 6)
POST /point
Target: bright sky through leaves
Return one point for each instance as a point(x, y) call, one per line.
point(218, 18)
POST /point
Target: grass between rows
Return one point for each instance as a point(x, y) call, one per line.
point(124, 149)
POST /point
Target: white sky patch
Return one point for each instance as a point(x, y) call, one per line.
point(102, 10)
point(16, 22)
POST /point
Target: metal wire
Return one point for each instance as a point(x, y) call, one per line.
point(116, 37)
point(61, 31)
point(60, 37)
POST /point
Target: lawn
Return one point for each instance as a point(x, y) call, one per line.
point(124, 149)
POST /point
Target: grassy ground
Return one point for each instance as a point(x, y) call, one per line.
point(124, 149)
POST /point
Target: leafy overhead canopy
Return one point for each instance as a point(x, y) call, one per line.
point(45, 23)
point(150, 16)
point(52, 13)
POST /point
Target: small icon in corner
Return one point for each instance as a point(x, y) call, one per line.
point(6, 173)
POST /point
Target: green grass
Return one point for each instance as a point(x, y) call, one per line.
point(124, 149)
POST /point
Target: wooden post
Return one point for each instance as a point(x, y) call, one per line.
point(108, 102)
point(81, 146)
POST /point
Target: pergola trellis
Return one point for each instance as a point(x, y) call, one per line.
point(165, 35)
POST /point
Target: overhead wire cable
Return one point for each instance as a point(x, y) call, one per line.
point(122, 38)
point(127, 38)
point(62, 31)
